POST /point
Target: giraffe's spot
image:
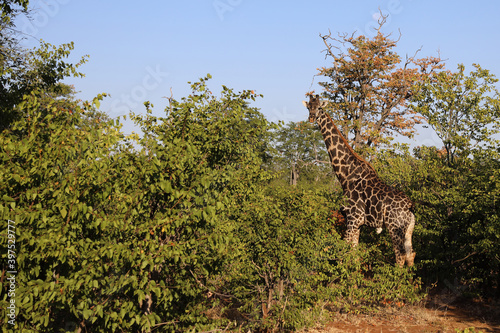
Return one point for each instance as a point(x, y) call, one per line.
point(355, 195)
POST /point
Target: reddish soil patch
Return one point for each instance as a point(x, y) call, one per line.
point(440, 313)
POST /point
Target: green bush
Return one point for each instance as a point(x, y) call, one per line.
point(293, 266)
point(179, 229)
point(458, 227)
point(115, 238)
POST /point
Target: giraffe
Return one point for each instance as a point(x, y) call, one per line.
point(369, 200)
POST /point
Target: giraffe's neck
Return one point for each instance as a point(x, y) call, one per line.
point(346, 163)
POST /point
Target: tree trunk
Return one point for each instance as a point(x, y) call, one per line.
point(294, 175)
point(281, 289)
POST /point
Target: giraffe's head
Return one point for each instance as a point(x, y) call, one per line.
point(315, 106)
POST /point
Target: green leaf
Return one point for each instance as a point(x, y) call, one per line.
point(63, 212)
point(6, 198)
point(87, 313)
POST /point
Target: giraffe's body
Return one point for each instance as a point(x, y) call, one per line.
point(369, 200)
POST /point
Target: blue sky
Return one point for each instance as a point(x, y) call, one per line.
point(140, 50)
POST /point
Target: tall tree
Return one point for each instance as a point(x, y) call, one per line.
point(24, 71)
point(369, 86)
point(300, 147)
point(10, 8)
point(41, 71)
point(464, 110)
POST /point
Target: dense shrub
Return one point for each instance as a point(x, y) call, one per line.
point(293, 266)
point(457, 235)
point(179, 229)
point(114, 237)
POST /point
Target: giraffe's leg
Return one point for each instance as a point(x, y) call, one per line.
point(352, 235)
point(397, 236)
point(400, 256)
point(410, 255)
point(355, 218)
point(401, 230)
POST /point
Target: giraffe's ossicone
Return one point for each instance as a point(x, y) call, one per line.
point(369, 200)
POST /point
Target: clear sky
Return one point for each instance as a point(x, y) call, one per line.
point(139, 50)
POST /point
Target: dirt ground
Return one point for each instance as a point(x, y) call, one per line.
point(439, 313)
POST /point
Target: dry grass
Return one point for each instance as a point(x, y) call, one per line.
point(439, 313)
